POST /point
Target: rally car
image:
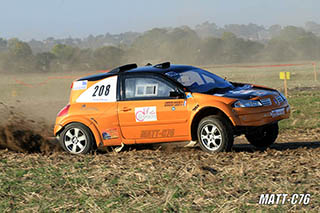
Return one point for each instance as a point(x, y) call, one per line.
point(167, 103)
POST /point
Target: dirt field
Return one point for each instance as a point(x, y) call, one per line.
point(35, 175)
point(156, 179)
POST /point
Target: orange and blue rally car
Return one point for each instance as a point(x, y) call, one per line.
point(167, 103)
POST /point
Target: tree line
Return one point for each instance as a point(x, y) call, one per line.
point(178, 45)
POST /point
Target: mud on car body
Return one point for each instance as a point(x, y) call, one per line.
point(165, 103)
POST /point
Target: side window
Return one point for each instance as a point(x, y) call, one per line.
point(143, 87)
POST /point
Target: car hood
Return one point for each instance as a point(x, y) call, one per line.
point(246, 92)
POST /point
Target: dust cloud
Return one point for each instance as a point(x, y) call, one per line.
point(20, 134)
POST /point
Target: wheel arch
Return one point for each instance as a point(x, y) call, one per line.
point(86, 122)
point(204, 112)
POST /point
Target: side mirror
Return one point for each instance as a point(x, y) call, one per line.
point(176, 94)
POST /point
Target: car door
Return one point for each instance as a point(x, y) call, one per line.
point(152, 109)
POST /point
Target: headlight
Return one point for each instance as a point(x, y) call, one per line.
point(247, 103)
point(283, 97)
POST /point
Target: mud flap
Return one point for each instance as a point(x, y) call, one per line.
point(191, 144)
point(118, 149)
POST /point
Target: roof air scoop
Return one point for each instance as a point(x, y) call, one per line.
point(164, 65)
point(124, 68)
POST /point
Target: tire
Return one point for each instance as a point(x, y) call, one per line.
point(264, 136)
point(76, 138)
point(215, 134)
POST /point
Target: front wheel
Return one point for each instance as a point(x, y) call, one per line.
point(215, 134)
point(264, 136)
point(76, 138)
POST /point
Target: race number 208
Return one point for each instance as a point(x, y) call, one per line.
point(276, 199)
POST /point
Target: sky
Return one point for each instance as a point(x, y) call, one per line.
point(39, 19)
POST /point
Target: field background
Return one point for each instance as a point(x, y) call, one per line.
point(42, 95)
point(157, 178)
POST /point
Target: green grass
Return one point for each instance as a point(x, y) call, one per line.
point(305, 110)
point(301, 76)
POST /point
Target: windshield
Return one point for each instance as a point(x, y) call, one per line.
point(198, 80)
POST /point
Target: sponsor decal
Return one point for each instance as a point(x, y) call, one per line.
point(85, 108)
point(106, 136)
point(147, 90)
point(189, 95)
point(173, 103)
point(157, 133)
point(111, 133)
point(102, 91)
point(249, 91)
point(144, 114)
point(242, 92)
point(78, 85)
point(261, 92)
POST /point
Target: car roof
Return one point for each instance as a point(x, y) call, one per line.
point(95, 77)
point(173, 67)
point(144, 69)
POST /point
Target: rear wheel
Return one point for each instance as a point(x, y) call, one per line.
point(76, 138)
point(215, 134)
point(264, 136)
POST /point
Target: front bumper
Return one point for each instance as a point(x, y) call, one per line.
point(263, 117)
